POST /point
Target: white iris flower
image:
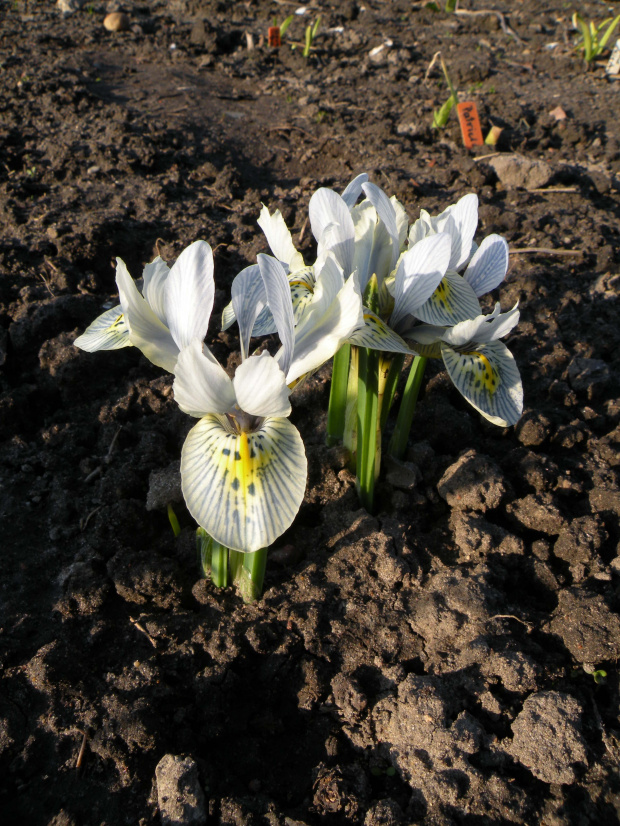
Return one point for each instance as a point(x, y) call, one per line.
point(173, 308)
point(243, 466)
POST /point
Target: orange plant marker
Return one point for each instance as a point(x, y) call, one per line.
point(273, 37)
point(470, 124)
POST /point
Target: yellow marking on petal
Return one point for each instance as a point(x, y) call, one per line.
point(246, 464)
point(301, 284)
point(443, 294)
point(484, 371)
point(117, 322)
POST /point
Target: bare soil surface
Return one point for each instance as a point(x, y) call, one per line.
point(431, 663)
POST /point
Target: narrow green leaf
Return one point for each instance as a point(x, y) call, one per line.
point(284, 26)
point(367, 425)
point(251, 575)
point(219, 565)
point(174, 522)
point(398, 443)
point(336, 411)
point(605, 38)
point(390, 387)
point(204, 547)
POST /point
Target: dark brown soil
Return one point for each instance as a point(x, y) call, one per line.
point(429, 664)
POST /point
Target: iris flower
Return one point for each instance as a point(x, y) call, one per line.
point(173, 308)
point(430, 302)
point(243, 466)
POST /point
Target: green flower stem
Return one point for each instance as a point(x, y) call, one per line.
point(235, 564)
point(349, 436)
point(251, 575)
point(367, 414)
point(384, 364)
point(219, 565)
point(396, 365)
point(400, 436)
point(336, 411)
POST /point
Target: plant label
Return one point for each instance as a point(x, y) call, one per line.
point(273, 37)
point(613, 65)
point(470, 124)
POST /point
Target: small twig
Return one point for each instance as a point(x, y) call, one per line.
point(93, 474)
point(143, 630)
point(528, 625)
point(80, 756)
point(485, 157)
point(51, 266)
point(45, 281)
point(302, 231)
point(84, 522)
point(555, 189)
point(108, 455)
point(544, 251)
point(502, 20)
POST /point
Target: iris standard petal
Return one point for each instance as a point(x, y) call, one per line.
point(387, 214)
point(244, 489)
point(418, 275)
point(260, 387)
point(146, 331)
point(487, 269)
point(327, 210)
point(483, 328)
point(354, 190)
point(189, 293)
point(107, 332)
point(364, 218)
point(201, 385)
point(488, 377)
point(460, 220)
point(279, 238)
point(279, 300)
point(249, 299)
point(318, 338)
point(154, 277)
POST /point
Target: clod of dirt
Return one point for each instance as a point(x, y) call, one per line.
point(588, 376)
point(116, 21)
point(473, 482)
point(579, 540)
point(67, 7)
point(588, 628)
point(384, 813)
point(517, 171)
point(164, 487)
point(547, 737)
point(179, 795)
point(428, 747)
point(340, 792)
point(532, 429)
point(538, 513)
point(476, 538)
point(402, 475)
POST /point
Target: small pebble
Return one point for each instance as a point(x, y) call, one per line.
point(116, 22)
